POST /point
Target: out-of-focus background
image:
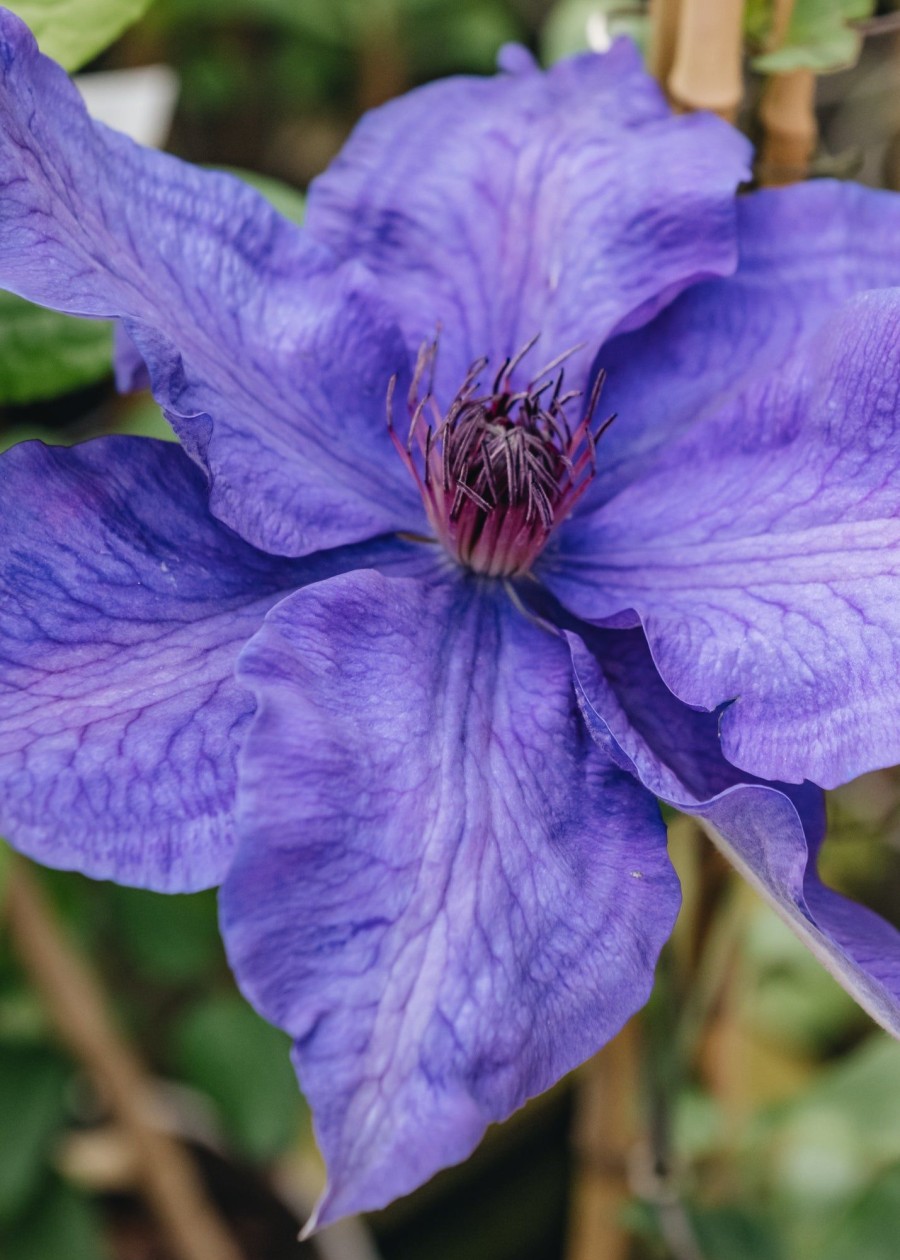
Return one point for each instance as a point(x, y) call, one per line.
point(752, 1111)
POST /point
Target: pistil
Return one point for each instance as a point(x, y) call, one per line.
point(502, 468)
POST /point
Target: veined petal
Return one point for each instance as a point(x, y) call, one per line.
point(123, 606)
point(444, 891)
point(804, 250)
point(770, 833)
point(762, 554)
point(271, 364)
point(570, 204)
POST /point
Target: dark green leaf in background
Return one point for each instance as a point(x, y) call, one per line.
point(32, 1085)
point(166, 938)
point(871, 1229)
point(225, 1050)
point(44, 354)
point(62, 1226)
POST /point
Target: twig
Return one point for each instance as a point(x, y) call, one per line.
point(603, 1138)
point(782, 11)
point(663, 37)
point(788, 114)
point(77, 1006)
point(707, 71)
point(884, 25)
point(657, 1178)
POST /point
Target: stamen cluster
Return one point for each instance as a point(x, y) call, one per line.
point(502, 468)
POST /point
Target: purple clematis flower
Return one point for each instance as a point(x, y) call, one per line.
point(410, 686)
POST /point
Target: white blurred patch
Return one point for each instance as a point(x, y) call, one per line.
point(599, 37)
point(140, 102)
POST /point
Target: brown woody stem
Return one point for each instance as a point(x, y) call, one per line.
point(75, 1002)
point(707, 70)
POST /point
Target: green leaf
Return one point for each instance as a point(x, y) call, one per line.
point(790, 998)
point(223, 1048)
point(44, 354)
point(736, 1233)
point(32, 1085)
point(871, 1228)
point(63, 1225)
point(74, 31)
point(819, 37)
point(447, 39)
point(167, 938)
point(140, 416)
point(5, 855)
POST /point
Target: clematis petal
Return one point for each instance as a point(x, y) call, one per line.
point(444, 891)
point(123, 606)
point(721, 334)
point(762, 554)
point(569, 204)
point(271, 365)
point(769, 833)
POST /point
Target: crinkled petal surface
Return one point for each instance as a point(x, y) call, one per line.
point(271, 365)
point(804, 250)
point(568, 203)
point(762, 554)
point(123, 606)
point(770, 833)
point(444, 890)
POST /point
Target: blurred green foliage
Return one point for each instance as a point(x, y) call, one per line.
point(241, 1063)
point(818, 38)
point(74, 31)
point(45, 354)
point(571, 23)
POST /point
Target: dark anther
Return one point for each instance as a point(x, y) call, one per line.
point(500, 469)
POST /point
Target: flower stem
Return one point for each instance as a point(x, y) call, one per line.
point(658, 1179)
point(787, 112)
point(663, 37)
point(76, 1004)
point(604, 1134)
point(707, 70)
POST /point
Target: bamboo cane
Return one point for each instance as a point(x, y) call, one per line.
point(706, 73)
point(663, 37)
point(787, 112)
point(788, 115)
point(79, 1010)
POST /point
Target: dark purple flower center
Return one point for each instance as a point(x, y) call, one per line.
point(501, 469)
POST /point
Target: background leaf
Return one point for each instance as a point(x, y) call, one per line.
point(32, 1082)
point(63, 1226)
point(819, 37)
point(44, 354)
point(74, 31)
point(223, 1048)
